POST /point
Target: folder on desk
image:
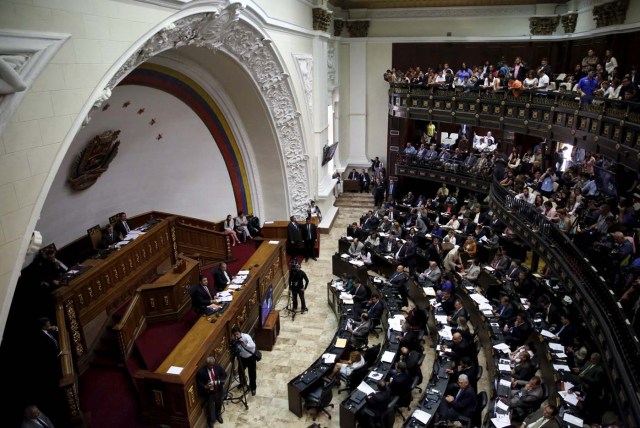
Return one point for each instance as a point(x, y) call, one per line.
point(341, 343)
point(388, 357)
point(421, 416)
point(429, 291)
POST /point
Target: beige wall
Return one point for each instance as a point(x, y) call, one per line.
point(101, 31)
point(378, 60)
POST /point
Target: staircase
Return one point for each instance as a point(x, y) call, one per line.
point(361, 201)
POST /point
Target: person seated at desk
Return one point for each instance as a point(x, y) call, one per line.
point(355, 231)
point(458, 312)
point(408, 338)
point(467, 226)
point(566, 332)
point(375, 310)
point(447, 302)
point(550, 315)
point(505, 312)
point(513, 270)
point(516, 334)
point(396, 229)
point(355, 248)
point(50, 269)
point(411, 359)
point(372, 241)
point(431, 276)
point(524, 285)
point(221, 277)
point(359, 331)
point(376, 404)
point(385, 225)
point(109, 238)
point(542, 418)
point(346, 367)
point(370, 222)
point(400, 380)
point(434, 250)
point(389, 244)
point(202, 298)
point(464, 329)
point(347, 282)
point(416, 318)
point(523, 371)
point(121, 227)
point(460, 348)
point(473, 272)
point(467, 368)
point(453, 224)
point(522, 401)
point(529, 348)
point(470, 246)
point(462, 404)
point(408, 199)
point(450, 238)
point(359, 294)
point(365, 256)
point(421, 224)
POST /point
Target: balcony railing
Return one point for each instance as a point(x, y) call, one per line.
point(608, 127)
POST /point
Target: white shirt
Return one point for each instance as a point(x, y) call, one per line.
point(543, 83)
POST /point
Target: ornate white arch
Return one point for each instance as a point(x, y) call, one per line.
point(226, 30)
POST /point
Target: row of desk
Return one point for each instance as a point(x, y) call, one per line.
point(313, 376)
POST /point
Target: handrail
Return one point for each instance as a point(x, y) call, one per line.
point(619, 343)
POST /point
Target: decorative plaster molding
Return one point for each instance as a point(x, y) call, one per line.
point(321, 19)
point(358, 28)
point(224, 30)
point(304, 64)
point(452, 12)
point(543, 25)
point(338, 25)
point(569, 22)
point(23, 56)
point(612, 13)
point(331, 65)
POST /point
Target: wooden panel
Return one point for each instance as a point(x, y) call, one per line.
point(172, 399)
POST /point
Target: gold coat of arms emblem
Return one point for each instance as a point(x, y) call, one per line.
point(94, 160)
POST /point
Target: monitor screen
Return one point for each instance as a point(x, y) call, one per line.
point(328, 152)
point(267, 304)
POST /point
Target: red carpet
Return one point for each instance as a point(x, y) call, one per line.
point(107, 394)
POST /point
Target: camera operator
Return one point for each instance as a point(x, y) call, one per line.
point(210, 380)
point(245, 349)
point(298, 282)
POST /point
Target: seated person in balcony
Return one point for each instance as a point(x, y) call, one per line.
point(444, 156)
point(462, 404)
point(359, 331)
point(422, 151)
point(526, 195)
point(242, 224)
point(355, 248)
point(410, 150)
point(229, 229)
point(515, 86)
point(432, 153)
point(346, 367)
point(522, 401)
point(202, 298)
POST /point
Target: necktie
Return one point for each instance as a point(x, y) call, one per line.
point(560, 331)
point(502, 310)
point(52, 338)
point(458, 394)
point(126, 226)
point(309, 231)
point(42, 422)
point(207, 290)
point(212, 375)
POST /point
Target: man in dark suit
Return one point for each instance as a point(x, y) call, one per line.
point(378, 401)
point(221, 277)
point(109, 238)
point(400, 380)
point(202, 297)
point(210, 380)
point(410, 258)
point(543, 418)
point(355, 231)
point(34, 418)
point(353, 175)
point(399, 282)
point(365, 181)
point(565, 332)
point(359, 295)
point(462, 404)
point(505, 312)
point(310, 235)
point(375, 309)
point(459, 312)
point(392, 191)
point(294, 236)
point(121, 227)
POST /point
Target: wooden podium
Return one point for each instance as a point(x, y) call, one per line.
point(266, 335)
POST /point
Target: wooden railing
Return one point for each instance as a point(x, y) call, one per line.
point(611, 128)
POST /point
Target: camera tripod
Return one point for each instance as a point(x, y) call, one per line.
point(237, 375)
point(289, 307)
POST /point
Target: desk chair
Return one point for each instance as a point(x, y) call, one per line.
point(354, 379)
point(482, 401)
point(404, 400)
point(377, 327)
point(384, 420)
point(320, 398)
point(95, 235)
point(419, 378)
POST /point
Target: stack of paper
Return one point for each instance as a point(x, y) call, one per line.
point(502, 406)
point(569, 398)
point(501, 421)
point(573, 420)
point(388, 357)
point(366, 388)
point(341, 343)
point(504, 367)
point(547, 333)
point(421, 416)
point(561, 367)
point(429, 291)
point(328, 358)
point(502, 347)
point(345, 256)
point(441, 319)
point(358, 263)
point(556, 347)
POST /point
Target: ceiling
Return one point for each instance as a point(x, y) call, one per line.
point(392, 4)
